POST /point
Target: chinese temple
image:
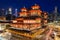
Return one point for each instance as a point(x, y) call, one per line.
point(30, 20)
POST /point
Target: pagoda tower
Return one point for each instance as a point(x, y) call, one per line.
point(23, 12)
point(35, 11)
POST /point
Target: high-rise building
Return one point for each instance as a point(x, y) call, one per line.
point(2, 12)
point(53, 16)
point(56, 9)
point(9, 14)
point(6, 12)
point(55, 13)
point(10, 10)
point(16, 12)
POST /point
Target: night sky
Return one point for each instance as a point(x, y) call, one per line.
point(46, 5)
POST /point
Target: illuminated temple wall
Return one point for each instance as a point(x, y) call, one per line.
point(27, 24)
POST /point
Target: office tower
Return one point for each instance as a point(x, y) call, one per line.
point(2, 12)
point(55, 13)
point(10, 10)
point(16, 12)
point(9, 14)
